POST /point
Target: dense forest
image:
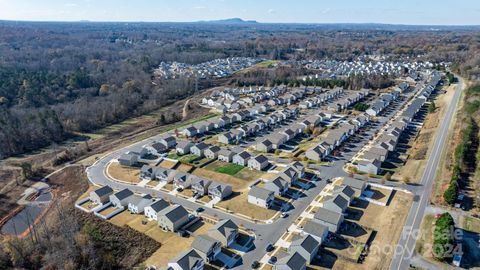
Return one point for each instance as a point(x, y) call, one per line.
point(57, 79)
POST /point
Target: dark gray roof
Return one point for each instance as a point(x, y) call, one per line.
point(328, 216)
point(244, 154)
point(188, 259)
point(137, 199)
point(307, 242)
point(294, 261)
point(201, 146)
point(159, 205)
point(338, 200)
point(346, 190)
point(204, 243)
point(105, 190)
point(124, 193)
point(261, 159)
point(174, 212)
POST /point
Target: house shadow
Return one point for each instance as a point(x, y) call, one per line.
point(326, 259)
point(338, 242)
point(353, 214)
point(359, 203)
point(352, 229)
point(471, 252)
point(295, 194)
point(232, 195)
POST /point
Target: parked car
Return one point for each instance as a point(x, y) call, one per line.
point(200, 209)
point(284, 215)
point(272, 260)
point(269, 248)
point(255, 264)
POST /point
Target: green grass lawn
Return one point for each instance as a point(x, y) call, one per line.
point(230, 169)
point(183, 159)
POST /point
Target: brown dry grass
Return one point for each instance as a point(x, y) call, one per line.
point(126, 174)
point(239, 204)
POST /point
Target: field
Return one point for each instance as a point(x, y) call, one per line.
point(224, 167)
point(125, 174)
point(188, 159)
point(239, 204)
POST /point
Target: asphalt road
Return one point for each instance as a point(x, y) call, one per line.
point(406, 244)
point(264, 233)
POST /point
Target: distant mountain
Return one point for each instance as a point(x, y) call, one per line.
point(230, 21)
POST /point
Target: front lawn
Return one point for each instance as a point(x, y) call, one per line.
point(230, 169)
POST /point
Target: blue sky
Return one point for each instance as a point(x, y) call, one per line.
point(440, 12)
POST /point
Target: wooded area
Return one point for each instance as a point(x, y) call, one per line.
point(57, 79)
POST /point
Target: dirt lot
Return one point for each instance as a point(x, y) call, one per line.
point(126, 174)
point(238, 204)
point(421, 147)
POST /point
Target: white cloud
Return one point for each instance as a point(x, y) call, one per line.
point(271, 11)
point(71, 5)
point(325, 11)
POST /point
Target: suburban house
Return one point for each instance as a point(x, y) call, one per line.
point(182, 180)
point(225, 155)
point(227, 138)
point(289, 174)
point(241, 158)
point(212, 152)
point(164, 175)
point(307, 246)
point(137, 203)
point(128, 159)
point(292, 261)
point(156, 148)
point(207, 247)
point(316, 229)
point(225, 231)
point(336, 203)
point(331, 219)
point(278, 185)
point(151, 211)
point(218, 190)
point(101, 195)
point(190, 260)
point(369, 166)
point(199, 149)
point(258, 163)
point(121, 198)
point(298, 166)
point(345, 191)
point(261, 197)
point(172, 218)
point(200, 186)
point(357, 185)
point(264, 146)
point(147, 172)
point(189, 131)
point(183, 147)
point(168, 141)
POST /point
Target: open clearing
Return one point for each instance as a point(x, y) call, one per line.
point(236, 183)
point(238, 204)
point(126, 174)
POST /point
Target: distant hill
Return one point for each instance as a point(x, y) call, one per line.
point(230, 21)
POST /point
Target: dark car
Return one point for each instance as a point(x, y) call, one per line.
point(272, 260)
point(255, 264)
point(269, 248)
point(200, 209)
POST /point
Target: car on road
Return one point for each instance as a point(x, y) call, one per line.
point(179, 189)
point(255, 264)
point(200, 209)
point(272, 260)
point(284, 215)
point(269, 248)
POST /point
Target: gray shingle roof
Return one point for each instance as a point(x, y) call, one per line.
point(328, 216)
point(294, 261)
point(124, 193)
point(188, 259)
point(307, 242)
point(105, 190)
point(315, 228)
point(204, 243)
point(174, 212)
point(159, 205)
point(259, 192)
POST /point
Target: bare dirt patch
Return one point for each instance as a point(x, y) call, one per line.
point(126, 174)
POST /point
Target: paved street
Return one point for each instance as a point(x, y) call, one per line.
point(265, 233)
point(401, 259)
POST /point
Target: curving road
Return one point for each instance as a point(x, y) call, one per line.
point(406, 244)
point(265, 233)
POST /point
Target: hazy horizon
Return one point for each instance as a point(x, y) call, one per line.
point(408, 12)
